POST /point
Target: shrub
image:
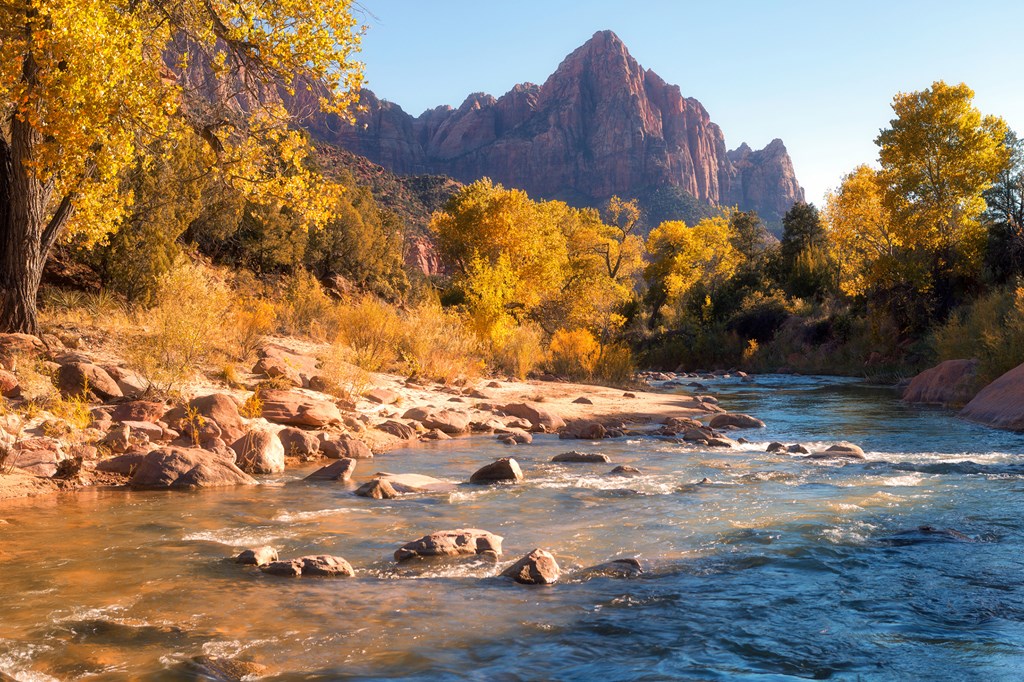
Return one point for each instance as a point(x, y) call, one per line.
point(249, 321)
point(521, 352)
point(615, 366)
point(343, 379)
point(305, 309)
point(990, 329)
point(573, 353)
point(373, 330)
point(438, 345)
point(183, 330)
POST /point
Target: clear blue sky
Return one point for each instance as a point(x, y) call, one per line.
point(819, 75)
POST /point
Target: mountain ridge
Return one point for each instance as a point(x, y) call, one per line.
point(599, 125)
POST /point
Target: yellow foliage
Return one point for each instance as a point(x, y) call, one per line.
point(573, 353)
point(682, 256)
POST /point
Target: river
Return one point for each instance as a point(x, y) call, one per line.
point(780, 568)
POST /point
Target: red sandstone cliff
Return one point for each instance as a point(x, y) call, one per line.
point(600, 125)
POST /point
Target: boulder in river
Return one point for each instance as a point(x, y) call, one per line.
point(257, 556)
point(223, 669)
point(584, 429)
point(624, 470)
point(536, 568)
point(406, 484)
point(377, 489)
point(775, 446)
point(1001, 403)
point(581, 458)
point(953, 382)
point(847, 450)
point(259, 452)
point(186, 468)
point(398, 429)
point(344, 447)
point(504, 470)
point(463, 541)
point(340, 470)
point(737, 421)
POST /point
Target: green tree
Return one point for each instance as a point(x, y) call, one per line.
point(1004, 217)
point(806, 270)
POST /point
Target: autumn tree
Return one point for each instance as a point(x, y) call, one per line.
point(683, 257)
point(938, 157)
point(86, 86)
point(861, 236)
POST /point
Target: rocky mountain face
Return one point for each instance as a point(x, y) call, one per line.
point(600, 125)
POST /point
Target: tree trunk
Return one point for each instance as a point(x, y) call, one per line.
point(26, 235)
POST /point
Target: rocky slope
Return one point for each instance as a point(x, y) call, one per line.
point(600, 125)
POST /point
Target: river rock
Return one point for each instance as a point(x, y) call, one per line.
point(738, 421)
point(504, 470)
point(341, 470)
point(125, 464)
point(583, 429)
point(450, 422)
point(581, 458)
point(344, 447)
point(319, 565)
point(847, 450)
point(73, 379)
point(259, 452)
point(222, 669)
point(514, 437)
point(624, 470)
point(377, 489)
point(536, 568)
point(775, 446)
point(923, 534)
point(298, 443)
point(184, 468)
point(37, 456)
point(797, 449)
point(463, 541)
point(257, 556)
point(682, 423)
point(298, 409)
point(398, 429)
point(1001, 403)
point(222, 410)
point(539, 417)
point(953, 382)
point(617, 568)
point(416, 483)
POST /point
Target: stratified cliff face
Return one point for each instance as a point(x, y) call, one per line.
point(600, 125)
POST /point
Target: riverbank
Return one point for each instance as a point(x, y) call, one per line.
point(277, 410)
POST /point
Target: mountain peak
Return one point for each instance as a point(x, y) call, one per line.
point(600, 125)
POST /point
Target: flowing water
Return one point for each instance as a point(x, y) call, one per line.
point(781, 568)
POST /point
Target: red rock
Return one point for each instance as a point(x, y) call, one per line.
point(298, 409)
point(223, 411)
point(537, 416)
point(186, 468)
point(73, 378)
point(139, 411)
point(536, 568)
point(1001, 403)
point(451, 543)
point(952, 382)
point(9, 386)
point(600, 125)
point(259, 452)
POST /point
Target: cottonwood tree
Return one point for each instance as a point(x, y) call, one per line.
point(87, 86)
point(938, 157)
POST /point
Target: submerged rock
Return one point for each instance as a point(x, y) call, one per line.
point(536, 568)
point(504, 470)
point(222, 669)
point(581, 457)
point(738, 421)
point(463, 541)
point(618, 568)
point(847, 450)
point(377, 489)
point(257, 556)
point(923, 534)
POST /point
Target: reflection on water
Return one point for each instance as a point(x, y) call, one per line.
point(778, 567)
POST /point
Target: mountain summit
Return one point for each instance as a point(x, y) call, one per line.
point(600, 125)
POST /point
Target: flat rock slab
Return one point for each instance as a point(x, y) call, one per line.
point(460, 542)
point(416, 483)
point(298, 409)
point(737, 421)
